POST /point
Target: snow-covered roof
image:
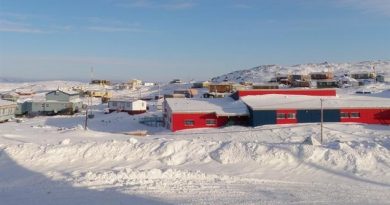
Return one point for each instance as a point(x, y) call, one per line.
point(123, 100)
point(220, 106)
point(68, 92)
point(6, 102)
point(271, 102)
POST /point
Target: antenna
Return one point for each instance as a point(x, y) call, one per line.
point(92, 73)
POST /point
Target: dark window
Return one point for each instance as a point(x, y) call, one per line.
point(189, 122)
point(211, 122)
point(280, 116)
point(291, 116)
point(355, 115)
point(344, 115)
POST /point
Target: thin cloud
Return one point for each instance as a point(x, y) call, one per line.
point(167, 5)
point(17, 27)
point(369, 6)
point(110, 29)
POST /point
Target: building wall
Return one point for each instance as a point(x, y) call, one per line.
point(262, 117)
point(58, 96)
point(199, 119)
point(369, 116)
point(311, 92)
point(7, 112)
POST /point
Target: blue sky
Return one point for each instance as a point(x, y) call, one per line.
point(188, 39)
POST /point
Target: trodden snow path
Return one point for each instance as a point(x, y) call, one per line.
point(54, 163)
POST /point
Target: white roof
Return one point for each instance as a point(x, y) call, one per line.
point(273, 102)
point(6, 102)
point(220, 106)
point(123, 100)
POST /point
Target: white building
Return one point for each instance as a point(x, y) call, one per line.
point(127, 105)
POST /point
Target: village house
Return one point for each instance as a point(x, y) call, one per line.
point(56, 102)
point(130, 106)
point(7, 110)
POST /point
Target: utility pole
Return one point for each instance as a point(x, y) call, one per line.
point(86, 118)
point(322, 119)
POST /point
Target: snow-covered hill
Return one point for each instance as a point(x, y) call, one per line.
point(264, 73)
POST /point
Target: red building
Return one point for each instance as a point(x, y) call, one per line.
point(310, 92)
point(187, 113)
point(288, 109)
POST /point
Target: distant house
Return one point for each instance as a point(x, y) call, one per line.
point(25, 92)
point(130, 106)
point(148, 84)
point(321, 75)
point(174, 96)
point(7, 110)
point(135, 83)
point(189, 93)
point(327, 84)
point(189, 113)
point(309, 92)
point(176, 81)
point(363, 75)
point(382, 78)
point(99, 93)
point(266, 86)
point(12, 96)
point(201, 84)
point(346, 81)
point(298, 77)
point(100, 82)
point(301, 84)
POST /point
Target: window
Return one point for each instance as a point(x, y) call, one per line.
point(114, 104)
point(189, 122)
point(211, 122)
point(355, 115)
point(290, 115)
point(47, 105)
point(128, 104)
point(280, 116)
point(344, 115)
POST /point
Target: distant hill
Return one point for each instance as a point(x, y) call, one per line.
point(264, 73)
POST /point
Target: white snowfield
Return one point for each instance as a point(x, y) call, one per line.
point(53, 160)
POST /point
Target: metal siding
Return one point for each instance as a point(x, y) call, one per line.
point(307, 116)
point(332, 115)
point(263, 117)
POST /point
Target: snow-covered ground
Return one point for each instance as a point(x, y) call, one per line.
point(53, 160)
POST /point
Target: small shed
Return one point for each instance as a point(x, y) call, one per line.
point(7, 110)
point(130, 106)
